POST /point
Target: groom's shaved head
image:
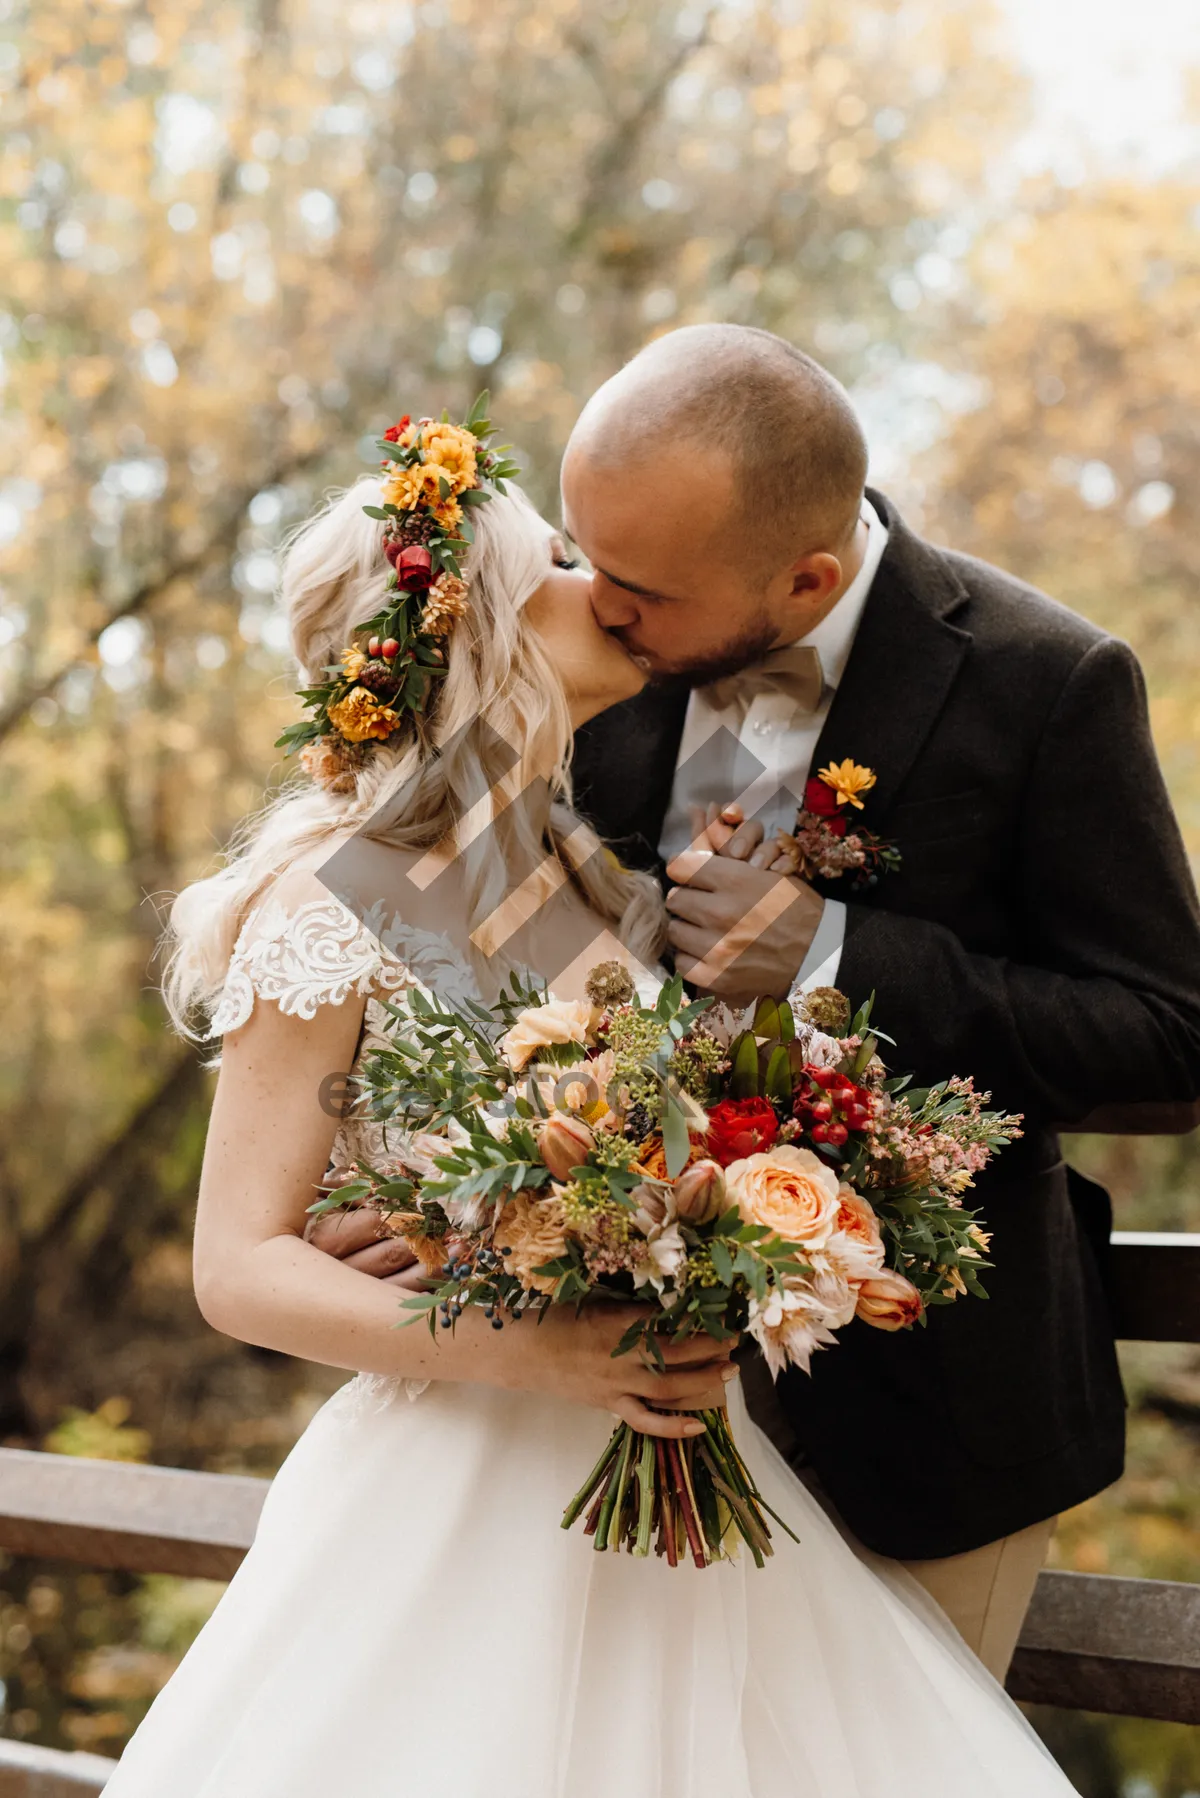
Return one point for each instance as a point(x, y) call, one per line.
point(795, 450)
point(716, 486)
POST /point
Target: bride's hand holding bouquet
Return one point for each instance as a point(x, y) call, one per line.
point(741, 1172)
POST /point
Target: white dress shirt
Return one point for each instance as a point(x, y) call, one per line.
point(754, 746)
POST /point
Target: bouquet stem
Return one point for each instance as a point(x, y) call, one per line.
point(698, 1493)
point(646, 1507)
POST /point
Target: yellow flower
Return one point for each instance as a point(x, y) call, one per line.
point(452, 451)
point(848, 780)
point(448, 512)
point(353, 663)
point(360, 716)
point(412, 488)
point(409, 488)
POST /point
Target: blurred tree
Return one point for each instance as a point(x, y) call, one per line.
point(1079, 465)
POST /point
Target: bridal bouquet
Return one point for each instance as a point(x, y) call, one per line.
point(752, 1172)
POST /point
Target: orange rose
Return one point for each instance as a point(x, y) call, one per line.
point(888, 1301)
point(652, 1160)
point(855, 1250)
point(856, 1219)
point(789, 1191)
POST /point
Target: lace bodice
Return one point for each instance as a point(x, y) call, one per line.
point(319, 953)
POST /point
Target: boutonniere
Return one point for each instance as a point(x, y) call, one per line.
point(827, 841)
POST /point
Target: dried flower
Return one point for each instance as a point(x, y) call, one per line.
point(828, 1009)
point(445, 605)
point(333, 763)
point(530, 1233)
point(609, 983)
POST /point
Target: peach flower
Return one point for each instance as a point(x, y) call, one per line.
point(700, 1192)
point(855, 1249)
point(564, 1143)
point(533, 1231)
point(888, 1301)
point(789, 1190)
point(558, 1021)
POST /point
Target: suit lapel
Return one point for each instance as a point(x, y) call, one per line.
point(904, 662)
point(623, 768)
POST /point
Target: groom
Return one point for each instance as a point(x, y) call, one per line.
point(1042, 932)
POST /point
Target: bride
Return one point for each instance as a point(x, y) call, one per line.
point(411, 1618)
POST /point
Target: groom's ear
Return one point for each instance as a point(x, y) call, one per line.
point(813, 579)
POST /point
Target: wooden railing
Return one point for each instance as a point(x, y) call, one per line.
point(1090, 1642)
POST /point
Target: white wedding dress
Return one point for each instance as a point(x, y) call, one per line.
point(412, 1620)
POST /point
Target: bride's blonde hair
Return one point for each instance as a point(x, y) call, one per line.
point(499, 681)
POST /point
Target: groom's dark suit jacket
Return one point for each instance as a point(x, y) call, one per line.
point(1042, 935)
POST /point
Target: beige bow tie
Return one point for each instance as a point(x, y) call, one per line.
point(795, 671)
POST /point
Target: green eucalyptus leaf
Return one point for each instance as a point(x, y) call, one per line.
point(766, 1018)
point(777, 1084)
point(676, 1146)
point(743, 1073)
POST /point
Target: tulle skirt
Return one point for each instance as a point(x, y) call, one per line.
point(411, 1620)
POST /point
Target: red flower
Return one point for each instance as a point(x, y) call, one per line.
point(394, 432)
point(740, 1127)
point(820, 798)
point(414, 568)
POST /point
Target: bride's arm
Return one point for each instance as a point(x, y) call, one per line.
point(257, 1279)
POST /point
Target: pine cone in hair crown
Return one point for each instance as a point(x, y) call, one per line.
point(379, 677)
point(417, 528)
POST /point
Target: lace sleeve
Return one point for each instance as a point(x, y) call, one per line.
point(302, 956)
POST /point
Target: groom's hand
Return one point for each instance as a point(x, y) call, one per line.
point(738, 930)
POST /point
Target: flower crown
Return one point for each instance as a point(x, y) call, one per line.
point(434, 473)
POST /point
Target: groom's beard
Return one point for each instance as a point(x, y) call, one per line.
point(750, 646)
